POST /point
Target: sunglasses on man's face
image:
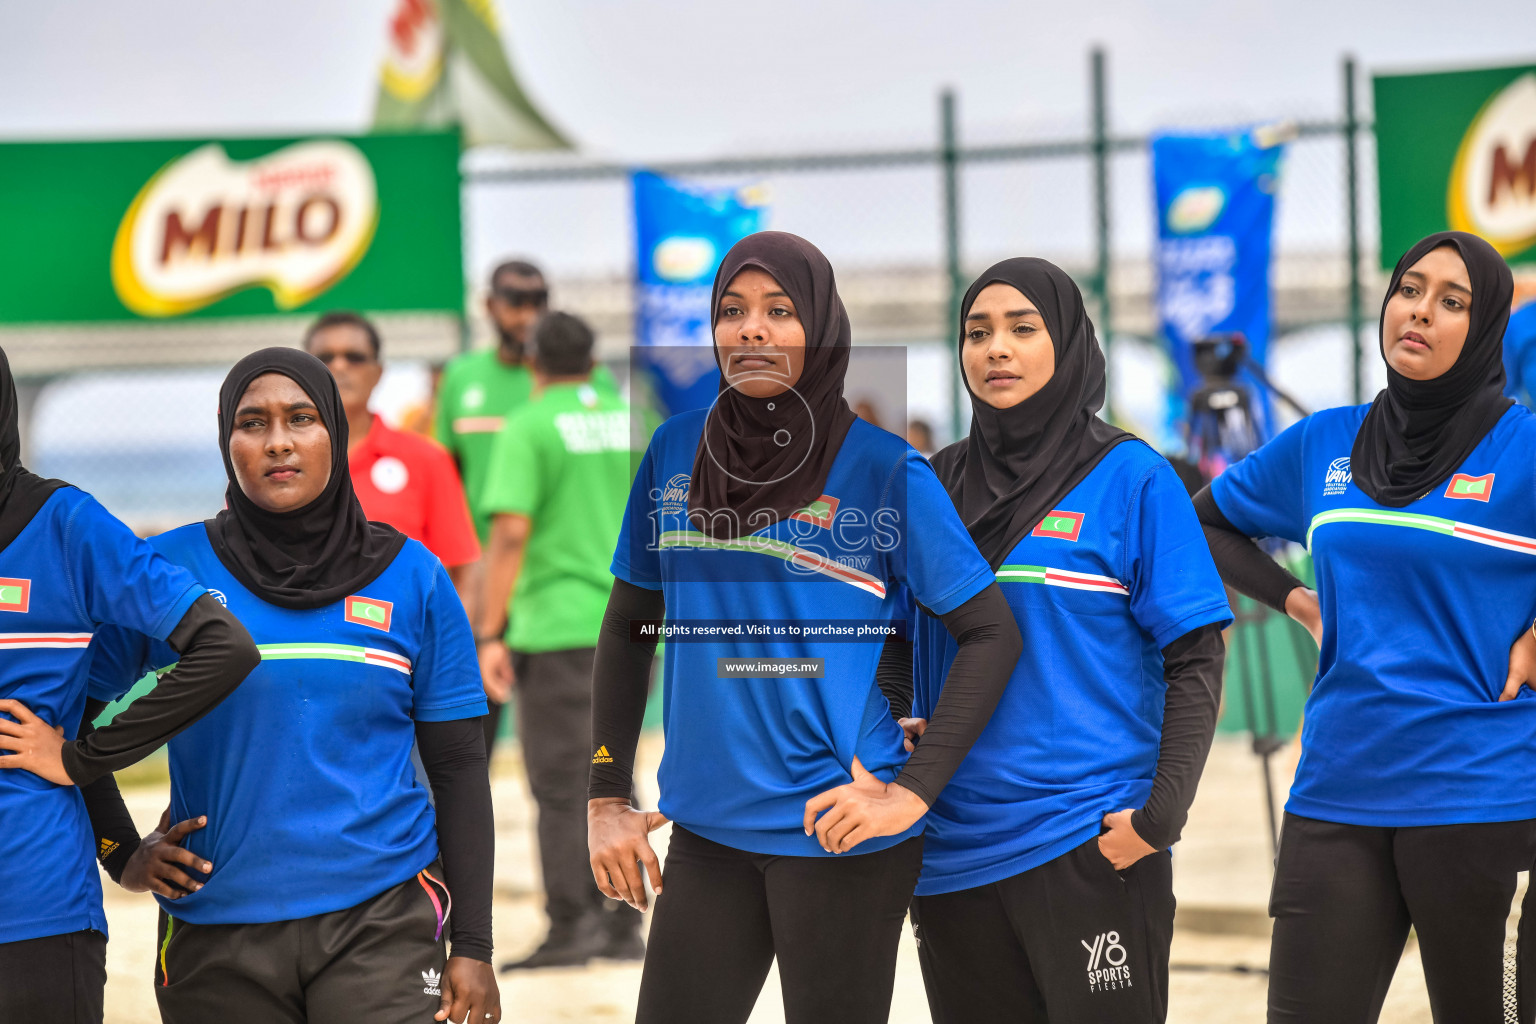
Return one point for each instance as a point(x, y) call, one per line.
point(355, 358)
point(519, 297)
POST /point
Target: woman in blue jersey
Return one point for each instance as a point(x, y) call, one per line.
point(324, 892)
point(767, 531)
point(1046, 892)
point(67, 568)
point(1410, 806)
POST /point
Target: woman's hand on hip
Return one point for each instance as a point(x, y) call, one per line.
point(1302, 605)
point(617, 840)
point(1522, 665)
point(862, 809)
point(156, 865)
point(1121, 846)
point(34, 745)
point(469, 992)
point(914, 729)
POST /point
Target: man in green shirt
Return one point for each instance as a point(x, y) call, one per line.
point(561, 471)
point(478, 389)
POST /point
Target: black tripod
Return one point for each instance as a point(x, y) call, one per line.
point(1222, 431)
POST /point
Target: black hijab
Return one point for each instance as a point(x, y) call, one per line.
point(22, 493)
point(762, 459)
point(1418, 431)
point(310, 556)
point(1018, 463)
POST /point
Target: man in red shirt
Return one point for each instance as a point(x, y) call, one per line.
point(402, 479)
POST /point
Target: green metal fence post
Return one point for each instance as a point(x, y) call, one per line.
point(1101, 213)
point(949, 152)
point(1352, 193)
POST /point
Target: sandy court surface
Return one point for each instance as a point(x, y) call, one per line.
point(1221, 876)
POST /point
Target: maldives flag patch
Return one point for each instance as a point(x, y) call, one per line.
point(15, 595)
point(1478, 488)
point(819, 512)
point(1059, 524)
point(367, 611)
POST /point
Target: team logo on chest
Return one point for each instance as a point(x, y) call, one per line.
point(818, 512)
point(1059, 524)
point(1338, 476)
point(1478, 488)
point(15, 595)
point(368, 611)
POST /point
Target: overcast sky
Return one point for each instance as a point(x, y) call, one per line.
point(642, 79)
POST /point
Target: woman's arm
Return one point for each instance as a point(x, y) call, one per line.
point(1243, 564)
point(1192, 670)
point(990, 646)
point(616, 832)
point(453, 754)
point(1248, 570)
point(112, 826)
point(894, 676)
point(216, 654)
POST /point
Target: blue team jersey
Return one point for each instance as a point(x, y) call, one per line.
point(305, 772)
point(1520, 354)
point(1420, 606)
point(743, 754)
point(1113, 574)
point(71, 570)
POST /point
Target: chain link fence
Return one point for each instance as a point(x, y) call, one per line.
point(905, 228)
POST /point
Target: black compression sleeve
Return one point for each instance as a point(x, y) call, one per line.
point(111, 824)
point(1243, 564)
point(216, 654)
point(990, 646)
point(894, 676)
point(1192, 670)
point(621, 677)
point(453, 753)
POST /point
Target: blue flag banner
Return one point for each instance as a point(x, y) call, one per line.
point(682, 232)
point(1215, 220)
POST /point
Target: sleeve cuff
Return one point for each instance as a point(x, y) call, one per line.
point(453, 712)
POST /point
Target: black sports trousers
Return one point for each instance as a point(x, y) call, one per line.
point(554, 723)
point(1072, 941)
point(380, 962)
point(1345, 896)
point(58, 979)
point(833, 922)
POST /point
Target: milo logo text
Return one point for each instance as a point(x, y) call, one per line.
point(295, 221)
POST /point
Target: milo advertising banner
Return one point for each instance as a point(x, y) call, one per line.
point(1457, 150)
point(164, 230)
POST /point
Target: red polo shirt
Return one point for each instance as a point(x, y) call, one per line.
point(411, 483)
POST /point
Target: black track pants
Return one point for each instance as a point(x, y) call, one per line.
point(58, 979)
point(1346, 895)
point(833, 922)
point(1072, 941)
point(380, 962)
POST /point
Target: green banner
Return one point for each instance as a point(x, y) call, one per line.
point(157, 230)
point(1457, 149)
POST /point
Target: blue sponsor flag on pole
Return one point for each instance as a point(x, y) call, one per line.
point(1215, 220)
point(682, 231)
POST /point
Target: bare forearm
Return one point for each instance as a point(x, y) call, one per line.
point(503, 562)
